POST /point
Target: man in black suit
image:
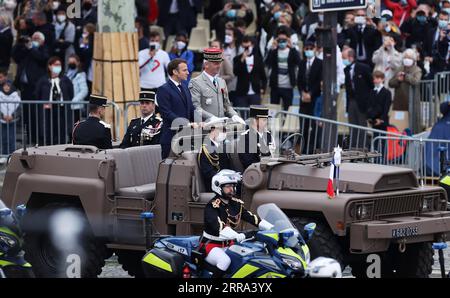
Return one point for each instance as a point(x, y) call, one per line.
point(144, 130)
point(177, 16)
point(364, 38)
point(175, 104)
point(358, 83)
point(436, 48)
point(309, 85)
point(251, 76)
point(380, 100)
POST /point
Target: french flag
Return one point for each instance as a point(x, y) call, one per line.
point(334, 173)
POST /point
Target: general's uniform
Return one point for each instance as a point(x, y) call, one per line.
point(210, 161)
point(143, 131)
point(256, 145)
point(93, 131)
point(218, 215)
point(210, 94)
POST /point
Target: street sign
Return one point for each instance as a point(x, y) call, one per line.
point(335, 5)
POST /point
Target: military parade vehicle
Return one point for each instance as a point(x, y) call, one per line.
point(94, 199)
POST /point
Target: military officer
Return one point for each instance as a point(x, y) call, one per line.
point(144, 130)
point(94, 131)
point(212, 156)
point(256, 142)
point(223, 214)
point(209, 92)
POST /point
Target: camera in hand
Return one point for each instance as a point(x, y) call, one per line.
point(152, 47)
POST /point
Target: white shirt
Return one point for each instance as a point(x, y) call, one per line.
point(174, 7)
point(146, 118)
point(176, 83)
point(250, 63)
point(153, 74)
point(211, 78)
point(8, 109)
point(55, 82)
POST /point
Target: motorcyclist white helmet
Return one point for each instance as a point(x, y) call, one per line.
point(322, 267)
point(222, 178)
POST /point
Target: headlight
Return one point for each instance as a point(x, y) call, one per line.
point(295, 265)
point(363, 211)
point(427, 204)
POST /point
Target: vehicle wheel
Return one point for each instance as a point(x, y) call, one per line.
point(18, 272)
point(323, 243)
point(131, 262)
point(416, 262)
point(50, 259)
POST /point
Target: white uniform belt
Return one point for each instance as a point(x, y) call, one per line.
point(214, 238)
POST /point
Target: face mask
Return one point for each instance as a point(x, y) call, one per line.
point(85, 34)
point(360, 20)
point(421, 19)
point(228, 39)
point(72, 66)
point(387, 28)
point(61, 18)
point(221, 137)
point(155, 44)
point(249, 50)
point(56, 70)
point(378, 86)
point(231, 13)
point(346, 62)
point(443, 24)
point(268, 2)
point(282, 45)
point(10, 5)
point(309, 53)
point(181, 45)
point(55, 5)
point(35, 44)
point(404, 2)
point(408, 62)
point(447, 10)
point(277, 15)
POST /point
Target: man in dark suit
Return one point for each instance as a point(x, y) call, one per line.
point(358, 84)
point(436, 47)
point(364, 38)
point(177, 16)
point(144, 130)
point(251, 76)
point(309, 85)
point(93, 131)
point(380, 100)
point(175, 103)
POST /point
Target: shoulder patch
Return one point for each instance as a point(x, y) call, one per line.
point(105, 124)
point(216, 203)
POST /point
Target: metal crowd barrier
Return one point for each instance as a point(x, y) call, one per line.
point(43, 123)
point(420, 154)
point(322, 135)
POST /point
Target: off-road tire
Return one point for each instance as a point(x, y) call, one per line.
point(46, 259)
point(323, 242)
point(131, 262)
point(416, 262)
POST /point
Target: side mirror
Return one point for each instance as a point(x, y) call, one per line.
point(20, 211)
point(309, 230)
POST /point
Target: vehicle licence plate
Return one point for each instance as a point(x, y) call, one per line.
point(405, 232)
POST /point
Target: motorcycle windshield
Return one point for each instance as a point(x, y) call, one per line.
point(271, 213)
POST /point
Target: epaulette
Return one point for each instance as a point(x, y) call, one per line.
point(216, 203)
point(105, 124)
point(237, 200)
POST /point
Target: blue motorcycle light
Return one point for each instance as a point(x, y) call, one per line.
point(5, 212)
point(21, 210)
point(286, 235)
point(147, 215)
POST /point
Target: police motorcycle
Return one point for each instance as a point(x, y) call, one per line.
point(277, 253)
point(12, 261)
